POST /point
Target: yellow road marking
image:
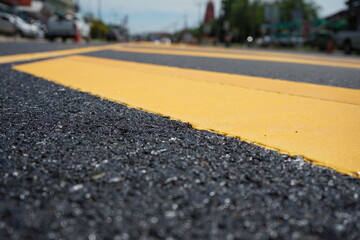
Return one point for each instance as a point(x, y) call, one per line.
point(182, 47)
point(335, 94)
point(324, 132)
point(50, 54)
point(269, 58)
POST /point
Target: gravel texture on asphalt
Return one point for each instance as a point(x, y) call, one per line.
point(11, 48)
point(74, 166)
point(340, 77)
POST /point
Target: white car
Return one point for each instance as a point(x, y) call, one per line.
point(14, 25)
point(67, 27)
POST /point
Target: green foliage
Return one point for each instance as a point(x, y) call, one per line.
point(99, 30)
point(227, 6)
point(246, 18)
point(209, 29)
point(240, 19)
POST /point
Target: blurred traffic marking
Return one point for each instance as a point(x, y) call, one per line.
point(298, 55)
point(325, 132)
point(50, 54)
point(243, 56)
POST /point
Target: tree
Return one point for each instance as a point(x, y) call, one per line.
point(99, 29)
point(246, 18)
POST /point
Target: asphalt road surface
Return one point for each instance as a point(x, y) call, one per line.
point(11, 48)
point(75, 166)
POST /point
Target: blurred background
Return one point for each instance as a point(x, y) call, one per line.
point(318, 25)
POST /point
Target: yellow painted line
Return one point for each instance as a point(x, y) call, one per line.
point(50, 54)
point(326, 133)
point(240, 57)
point(336, 94)
point(182, 47)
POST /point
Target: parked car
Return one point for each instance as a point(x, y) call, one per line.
point(41, 26)
point(320, 39)
point(265, 41)
point(7, 25)
point(113, 36)
point(348, 41)
point(67, 27)
point(14, 25)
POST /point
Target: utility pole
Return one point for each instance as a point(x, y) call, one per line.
point(198, 4)
point(99, 17)
point(89, 7)
point(99, 10)
point(254, 17)
point(185, 21)
point(175, 26)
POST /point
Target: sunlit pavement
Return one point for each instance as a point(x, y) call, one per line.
point(152, 160)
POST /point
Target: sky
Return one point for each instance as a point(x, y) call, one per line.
point(168, 15)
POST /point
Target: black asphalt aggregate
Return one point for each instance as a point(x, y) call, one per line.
point(75, 166)
point(323, 75)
